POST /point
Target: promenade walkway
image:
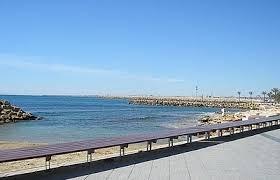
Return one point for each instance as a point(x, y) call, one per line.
point(250, 155)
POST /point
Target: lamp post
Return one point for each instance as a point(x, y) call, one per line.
point(251, 93)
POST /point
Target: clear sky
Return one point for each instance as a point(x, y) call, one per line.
point(139, 47)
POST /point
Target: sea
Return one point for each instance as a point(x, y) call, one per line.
point(74, 118)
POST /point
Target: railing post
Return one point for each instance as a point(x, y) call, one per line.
point(230, 131)
point(170, 142)
point(189, 138)
point(220, 132)
point(89, 155)
point(149, 144)
point(122, 147)
point(48, 162)
point(207, 135)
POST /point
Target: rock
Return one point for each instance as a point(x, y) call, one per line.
point(4, 117)
point(10, 113)
point(6, 103)
point(205, 119)
point(16, 109)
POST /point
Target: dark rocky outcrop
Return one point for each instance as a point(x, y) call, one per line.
point(10, 113)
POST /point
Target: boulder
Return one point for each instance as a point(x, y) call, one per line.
point(4, 117)
point(10, 113)
point(16, 109)
point(6, 103)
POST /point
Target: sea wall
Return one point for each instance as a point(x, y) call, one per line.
point(218, 102)
point(10, 113)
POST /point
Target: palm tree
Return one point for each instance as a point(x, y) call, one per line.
point(269, 96)
point(275, 91)
point(251, 93)
point(278, 97)
point(264, 93)
point(239, 93)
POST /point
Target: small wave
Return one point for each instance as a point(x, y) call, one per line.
point(39, 118)
point(145, 118)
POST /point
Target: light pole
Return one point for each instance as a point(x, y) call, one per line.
point(251, 93)
point(239, 93)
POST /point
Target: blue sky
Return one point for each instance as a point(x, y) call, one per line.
point(136, 47)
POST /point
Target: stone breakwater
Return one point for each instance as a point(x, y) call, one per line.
point(185, 102)
point(10, 113)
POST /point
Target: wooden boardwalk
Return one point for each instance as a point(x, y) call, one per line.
point(248, 155)
point(123, 142)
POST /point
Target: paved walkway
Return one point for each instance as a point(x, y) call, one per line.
point(253, 157)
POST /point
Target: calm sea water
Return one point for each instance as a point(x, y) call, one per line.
point(67, 118)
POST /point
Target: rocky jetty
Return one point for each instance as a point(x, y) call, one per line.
point(10, 113)
point(213, 102)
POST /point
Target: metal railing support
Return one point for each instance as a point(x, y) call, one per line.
point(171, 141)
point(122, 147)
point(220, 133)
point(189, 140)
point(89, 155)
point(48, 162)
point(231, 131)
point(149, 144)
point(241, 128)
point(207, 135)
